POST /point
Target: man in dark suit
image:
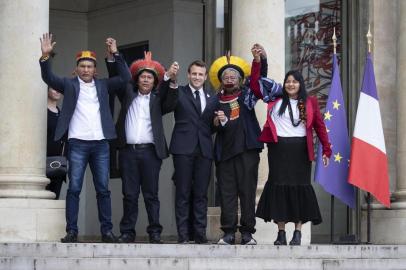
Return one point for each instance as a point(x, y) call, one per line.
point(141, 140)
point(192, 150)
point(86, 118)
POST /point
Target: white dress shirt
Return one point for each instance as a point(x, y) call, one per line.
point(138, 128)
point(283, 124)
point(86, 119)
point(201, 95)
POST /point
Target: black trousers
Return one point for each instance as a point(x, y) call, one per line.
point(139, 168)
point(192, 175)
point(238, 178)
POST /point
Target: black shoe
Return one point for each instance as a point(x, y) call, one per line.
point(247, 239)
point(200, 239)
point(227, 239)
point(183, 241)
point(126, 238)
point(281, 240)
point(155, 238)
point(183, 238)
point(109, 238)
point(296, 239)
point(70, 237)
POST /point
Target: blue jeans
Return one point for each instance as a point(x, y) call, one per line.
point(97, 154)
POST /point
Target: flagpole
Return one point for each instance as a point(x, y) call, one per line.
point(368, 218)
point(332, 219)
point(332, 210)
point(369, 40)
point(347, 238)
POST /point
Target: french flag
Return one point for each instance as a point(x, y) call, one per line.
point(369, 163)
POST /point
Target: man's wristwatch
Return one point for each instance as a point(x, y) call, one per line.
point(44, 58)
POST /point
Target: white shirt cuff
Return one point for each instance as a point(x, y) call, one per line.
point(166, 77)
point(223, 123)
point(173, 85)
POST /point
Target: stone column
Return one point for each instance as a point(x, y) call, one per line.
point(27, 215)
point(400, 192)
point(388, 25)
point(262, 21)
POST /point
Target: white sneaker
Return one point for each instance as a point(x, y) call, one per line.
point(227, 239)
point(251, 242)
point(247, 239)
point(222, 242)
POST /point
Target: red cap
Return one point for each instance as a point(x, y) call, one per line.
point(147, 64)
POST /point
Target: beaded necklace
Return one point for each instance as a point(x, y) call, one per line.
point(232, 100)
point(302, 113)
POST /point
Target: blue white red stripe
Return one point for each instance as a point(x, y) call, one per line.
point(369, 129)
point(369, 163)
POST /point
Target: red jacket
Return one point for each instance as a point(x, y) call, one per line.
point(313, 118)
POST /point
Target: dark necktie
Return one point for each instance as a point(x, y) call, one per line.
point(197, 102)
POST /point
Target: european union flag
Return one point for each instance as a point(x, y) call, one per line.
point(333, 178)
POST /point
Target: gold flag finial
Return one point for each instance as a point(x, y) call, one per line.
point(228, 56)
point(369, 38)
point(334, 38)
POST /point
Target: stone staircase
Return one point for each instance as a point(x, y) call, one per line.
point(89, 256)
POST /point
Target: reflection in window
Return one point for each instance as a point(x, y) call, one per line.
point(309, 26)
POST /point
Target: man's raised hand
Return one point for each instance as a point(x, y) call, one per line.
point(47, 45)
point(111, 45)
point(172, 71)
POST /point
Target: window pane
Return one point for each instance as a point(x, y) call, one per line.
point(308, 35)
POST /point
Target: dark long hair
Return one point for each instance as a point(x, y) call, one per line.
point(302, 95)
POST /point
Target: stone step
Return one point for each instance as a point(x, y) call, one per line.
point(98, 256)
point(95, 250)
point(24, 263)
